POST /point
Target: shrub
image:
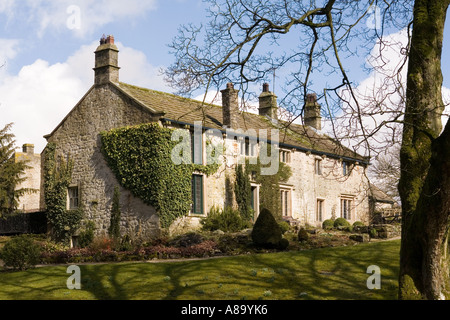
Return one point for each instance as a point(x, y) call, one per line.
point(186, 240)
point(227, 220)
point(283, 244)
point(266, 231)
point(358, 224)
point(20, 253)
point(284, 226)
point(328, 224)
point(102, 243)
point(86, 235)
point(341, 222)
point(303, 235)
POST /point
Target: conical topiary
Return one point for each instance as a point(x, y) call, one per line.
point(266, 231)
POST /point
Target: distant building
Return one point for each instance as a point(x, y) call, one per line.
point(31, 201)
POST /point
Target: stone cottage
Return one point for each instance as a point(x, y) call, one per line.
point(328, 180)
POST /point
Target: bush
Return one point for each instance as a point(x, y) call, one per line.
point(20, 253)
point(328, 224)
point(303, 235)
point(341, 222)
point(284, 226)
point(283, 244)
point(266, 231)
point(227, 220)
point(86, 236)
point(186, 240)
point(358, 224)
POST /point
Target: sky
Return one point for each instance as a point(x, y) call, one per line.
point(46, 54)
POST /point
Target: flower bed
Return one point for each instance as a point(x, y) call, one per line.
point(83, 255)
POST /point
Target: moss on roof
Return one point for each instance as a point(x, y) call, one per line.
point(185, 110)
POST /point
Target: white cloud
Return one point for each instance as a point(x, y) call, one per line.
point(8, 49)
point(41, 94)
point(381, 99)
point(81, 16)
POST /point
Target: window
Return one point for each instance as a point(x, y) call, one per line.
point(196, 148)
point(346, 208)
point(345, 168)
point(319, 210)
point(248, 147)
point(255, 201)
point(285, 203)
point(73, 197)
point(318, 166)
point(197, 194)
point(285, 156)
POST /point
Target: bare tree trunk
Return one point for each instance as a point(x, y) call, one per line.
point(424, 178)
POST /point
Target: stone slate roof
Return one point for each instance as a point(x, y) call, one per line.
point(187, 111)
point(378, 195)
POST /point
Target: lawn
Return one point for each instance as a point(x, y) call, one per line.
point(318, 274)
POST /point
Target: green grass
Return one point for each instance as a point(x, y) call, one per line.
point(329, 273)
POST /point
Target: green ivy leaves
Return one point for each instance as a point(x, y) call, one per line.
point(140, 157)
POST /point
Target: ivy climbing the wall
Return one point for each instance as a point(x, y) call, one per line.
point(140, 157)
point(269, 192)
point(57, 178)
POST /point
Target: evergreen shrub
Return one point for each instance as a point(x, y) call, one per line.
point(328, 224)
point(266, 231)
point(20, 253)
point(227, 220)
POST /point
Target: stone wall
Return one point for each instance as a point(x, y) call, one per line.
point(78, 136)
point(330, 187)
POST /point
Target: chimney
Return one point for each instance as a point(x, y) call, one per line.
point(106, 61)
point(312, 116)
point(28, 148)
point(230, 106)
point(268, 103)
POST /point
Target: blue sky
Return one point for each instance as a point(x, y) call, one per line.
point(48, 57)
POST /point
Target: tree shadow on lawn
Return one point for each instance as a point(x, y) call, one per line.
point(327, 273)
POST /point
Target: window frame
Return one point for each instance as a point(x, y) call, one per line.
point(320, 203)
point(318, 166)
point(285, 156)
point(196, 148)
point(347, 207)
point(70, 197)
point(286, 201)
point(194, 188)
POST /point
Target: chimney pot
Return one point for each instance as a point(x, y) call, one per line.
point(110, 39)
point(265, 87)
point(311, 97)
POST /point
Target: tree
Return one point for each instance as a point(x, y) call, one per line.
point(230, 48)
point(114, 228)
point(11, 173)
point(385, 171)
point(243, 192)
